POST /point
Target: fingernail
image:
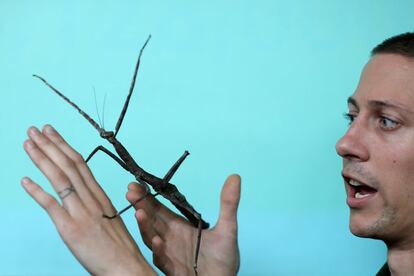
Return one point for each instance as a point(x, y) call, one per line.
point(25, 181)
point(29, 144)
point(33, 132)
point(49, 129)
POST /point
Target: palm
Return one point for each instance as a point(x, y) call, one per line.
point(173, 240)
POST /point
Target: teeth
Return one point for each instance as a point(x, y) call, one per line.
point(354, 183)
point(358, 195)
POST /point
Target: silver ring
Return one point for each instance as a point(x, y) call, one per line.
point(66, 192)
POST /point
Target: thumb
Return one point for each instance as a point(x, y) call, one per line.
point(229, 202)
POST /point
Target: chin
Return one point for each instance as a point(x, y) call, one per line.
point(359, 231)
point(363, 227)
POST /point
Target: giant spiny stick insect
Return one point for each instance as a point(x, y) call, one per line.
point(161, 186)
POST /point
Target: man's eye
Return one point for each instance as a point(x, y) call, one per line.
point(349, 117)
point(388, 124)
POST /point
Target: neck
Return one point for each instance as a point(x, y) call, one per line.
point(401, 260)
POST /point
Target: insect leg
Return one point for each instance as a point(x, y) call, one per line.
point(197, 251)
point(113, 156)
point(83, 113)
point(174, 168)
point(131, 89)
point(147, 192)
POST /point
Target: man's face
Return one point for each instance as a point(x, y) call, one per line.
point(378, 151)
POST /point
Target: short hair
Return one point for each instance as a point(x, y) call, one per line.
point(402, 44)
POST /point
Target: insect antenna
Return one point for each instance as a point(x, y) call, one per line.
point(131, 89)
point(103, 112)
point(96, 106)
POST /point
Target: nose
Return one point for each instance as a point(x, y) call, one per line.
point(353, 144)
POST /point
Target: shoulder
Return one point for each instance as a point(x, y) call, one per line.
point(384, 271)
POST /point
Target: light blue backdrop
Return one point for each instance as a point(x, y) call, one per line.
point(253, 87)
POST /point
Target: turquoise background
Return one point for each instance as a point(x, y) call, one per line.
point(253, 87)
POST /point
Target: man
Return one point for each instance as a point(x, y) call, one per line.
point(378, 171)
point(378, 152)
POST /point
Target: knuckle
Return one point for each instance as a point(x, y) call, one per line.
point(42, 141)
point(68, 163)
point(48, 202)
point(64, 226)
point(41, 160)
point(71, 231)
point(106, 206)
point(60, 142)
point(77, 158)
point(106, 202)
point(61, 178)
point(36, 191)
point(94, 208)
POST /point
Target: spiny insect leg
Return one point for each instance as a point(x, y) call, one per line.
point(174, 168)
point(83, 113)
point(131, 89)
point(147, 192)
point(197, 251)
point(113, 156)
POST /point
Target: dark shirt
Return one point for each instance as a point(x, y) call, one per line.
point(384, 271)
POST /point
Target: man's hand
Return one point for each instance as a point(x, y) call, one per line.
point(102, 246)
point(173, 240)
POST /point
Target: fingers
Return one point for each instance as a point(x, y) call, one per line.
point(150, 227)
point(151, 205)
point(152, 216)
point(45, 200)
point(159, 257)
point(145, 228)
point(77, 159)
point(62, 161)
point(229, 202)
point(73, 165)
point(54, 174)
point(97, 243)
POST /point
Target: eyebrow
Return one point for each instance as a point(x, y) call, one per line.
point(380, 104)
point(353, 102)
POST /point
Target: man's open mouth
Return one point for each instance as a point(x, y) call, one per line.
point(358, 192)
